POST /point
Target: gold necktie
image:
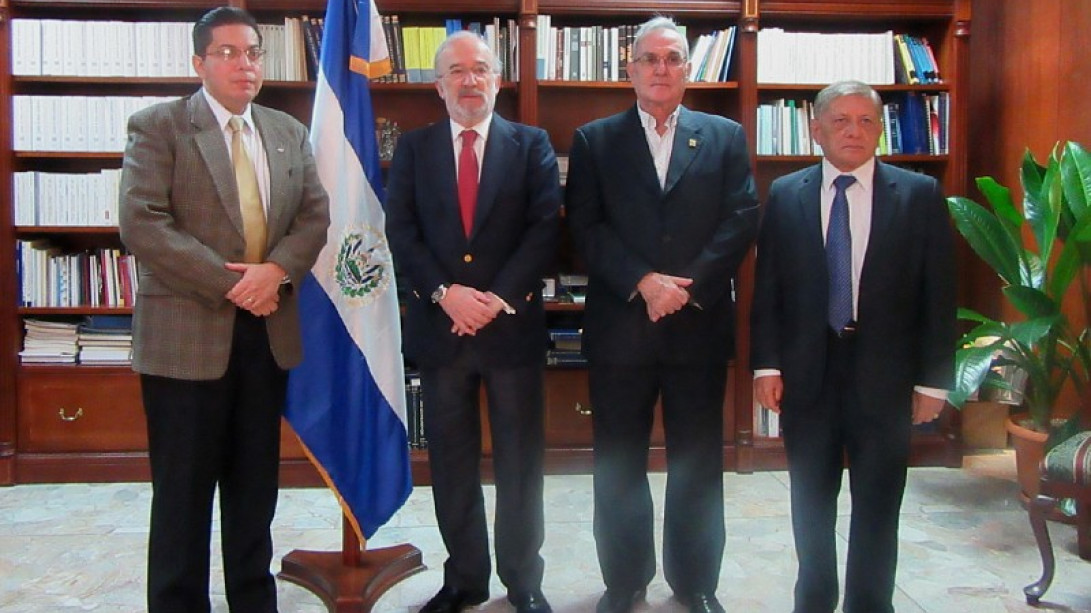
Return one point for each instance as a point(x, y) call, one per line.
point(253, 215)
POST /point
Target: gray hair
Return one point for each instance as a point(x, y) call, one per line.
point(839, 89)
point(494, 62)
point(660, 22)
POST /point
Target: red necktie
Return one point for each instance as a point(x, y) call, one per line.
point(467, 180)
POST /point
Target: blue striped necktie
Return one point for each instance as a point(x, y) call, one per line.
point(839, 256)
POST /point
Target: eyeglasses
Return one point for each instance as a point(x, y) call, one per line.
point(458, 73)
point(228, 53)
point(651, 60)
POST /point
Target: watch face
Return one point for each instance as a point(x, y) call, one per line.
point(440, 292)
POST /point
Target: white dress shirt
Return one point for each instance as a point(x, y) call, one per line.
point(251, 140)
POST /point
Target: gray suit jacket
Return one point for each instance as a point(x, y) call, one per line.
point(180, 217)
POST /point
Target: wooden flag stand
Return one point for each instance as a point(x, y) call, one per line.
point(352, 580)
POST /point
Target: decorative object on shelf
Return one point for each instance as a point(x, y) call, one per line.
point(387, 133)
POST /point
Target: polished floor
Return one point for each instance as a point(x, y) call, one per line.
point(965, 546)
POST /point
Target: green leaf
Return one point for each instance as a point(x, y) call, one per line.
point(988, 238)
point(1028, 333)
point(1076, 179)
point(1033, 303)
point(1065, 269)
point(1031, 174)
point(971, 366)
point(999, 198)
point(1043, 212)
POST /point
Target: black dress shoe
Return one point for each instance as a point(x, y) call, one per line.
point(701, 602)
point(530, 602)
point(619, 601)
point(453, 600)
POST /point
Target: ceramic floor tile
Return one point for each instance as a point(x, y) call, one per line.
point(965, 546)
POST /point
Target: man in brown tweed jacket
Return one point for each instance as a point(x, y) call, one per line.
point(216, 322)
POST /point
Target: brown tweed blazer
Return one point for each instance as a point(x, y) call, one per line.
point(180, 217)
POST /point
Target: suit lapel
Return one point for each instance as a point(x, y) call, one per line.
point(687, 143)
point(439, 154)
point(633, 145)
point(499, 154)
point(209, 138)
point(810, 211)
point(275, 143)
point(885, 204)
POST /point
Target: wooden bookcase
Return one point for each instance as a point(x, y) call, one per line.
point(78, 423)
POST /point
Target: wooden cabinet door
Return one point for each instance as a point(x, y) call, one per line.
point(568, 410)
point(80, 410)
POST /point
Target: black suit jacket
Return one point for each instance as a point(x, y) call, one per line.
point(699, 225)
point(906, 313)
point(510, 249)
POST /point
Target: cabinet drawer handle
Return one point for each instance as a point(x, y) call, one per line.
point(582, 410)
point(78, 414)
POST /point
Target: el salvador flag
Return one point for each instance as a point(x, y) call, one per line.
point(346, 401)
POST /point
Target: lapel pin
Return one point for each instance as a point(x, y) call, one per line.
point(280, 149)
point(693, 143)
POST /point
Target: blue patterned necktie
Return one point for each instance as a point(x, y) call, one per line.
point(839, 256)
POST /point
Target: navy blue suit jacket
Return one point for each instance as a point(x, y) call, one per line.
point(511, 247)
point(700, 226)
point(906, 313)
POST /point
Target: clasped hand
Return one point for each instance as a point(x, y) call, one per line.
point(258, 291)
point(470, 309)
point(663, 294)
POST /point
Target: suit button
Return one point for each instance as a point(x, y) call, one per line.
point(667, 238)
point(467, 258)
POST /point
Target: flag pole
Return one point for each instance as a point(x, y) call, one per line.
point(351, 546)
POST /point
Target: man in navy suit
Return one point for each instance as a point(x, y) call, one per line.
point(662, 205)
point(851, 350)
point(473, 214)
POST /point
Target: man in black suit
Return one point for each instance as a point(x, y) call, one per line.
point(853, 327)
point(473, 242)
point(662, 205)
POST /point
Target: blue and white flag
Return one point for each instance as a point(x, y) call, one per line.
point(346, 401)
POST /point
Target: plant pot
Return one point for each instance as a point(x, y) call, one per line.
point(1029, 449)
point(983, 425)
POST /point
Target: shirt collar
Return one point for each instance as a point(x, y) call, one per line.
point(648, 121)
point(864, 173)
point(223, 115)
point(481, 128)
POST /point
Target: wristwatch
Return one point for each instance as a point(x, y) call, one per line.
point(440, 293)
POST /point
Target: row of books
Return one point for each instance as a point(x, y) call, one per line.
point(565, 348)
point(766, 422)
point(75, 123)
point(56, 47)
point(49, 277)
point(65, 199)
point(602, 53)
point(413, 48)
point(101, 340)
point(292, 48)
point(818, 58)
point(414, 411)
point(913, 123)
point(101, 48)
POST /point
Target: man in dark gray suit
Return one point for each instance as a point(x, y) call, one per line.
point(662, 205)
point(473, 213)
point(222, 206)
point(853, 333)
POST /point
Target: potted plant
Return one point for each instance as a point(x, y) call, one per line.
point(1042, 254)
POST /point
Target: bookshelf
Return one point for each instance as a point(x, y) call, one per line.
point(44, 436)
